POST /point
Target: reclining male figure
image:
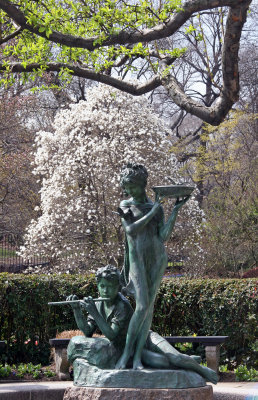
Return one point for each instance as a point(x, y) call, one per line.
point(112, 317)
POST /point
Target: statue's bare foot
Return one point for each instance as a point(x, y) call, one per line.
point(137, 365)
point(210, 375)
point(121, 363)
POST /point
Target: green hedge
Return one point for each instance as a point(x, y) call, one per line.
point(25, 314)
point(209, 307)
point(183, 307)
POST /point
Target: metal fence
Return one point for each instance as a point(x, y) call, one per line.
point(10, 261)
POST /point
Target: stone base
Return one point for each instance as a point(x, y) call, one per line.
point(212, 355)
point(62, 364)
point(91, 376)
point(76, 393)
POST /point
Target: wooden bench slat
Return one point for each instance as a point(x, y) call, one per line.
point(207, 340)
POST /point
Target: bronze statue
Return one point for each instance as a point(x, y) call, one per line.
point(128, 341)
point(145, 255)
point(112, 316)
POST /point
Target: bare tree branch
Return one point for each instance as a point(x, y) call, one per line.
point(229, 93)
point(136, 89)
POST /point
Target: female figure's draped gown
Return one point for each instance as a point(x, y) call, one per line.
point(144, 266)
point(146, 249)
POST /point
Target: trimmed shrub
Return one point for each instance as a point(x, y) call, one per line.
point(183, 307)
point(27, 322)
point(210, 307)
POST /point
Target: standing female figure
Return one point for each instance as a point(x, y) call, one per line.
point(145, 256)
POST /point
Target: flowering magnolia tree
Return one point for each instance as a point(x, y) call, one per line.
point(79, 164)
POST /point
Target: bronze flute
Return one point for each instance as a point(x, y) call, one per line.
point(57, 303)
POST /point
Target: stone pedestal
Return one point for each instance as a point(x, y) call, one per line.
point(60, 352)
point(87, 375)
point(62, 364)
point(212, 354)
point(82, 393)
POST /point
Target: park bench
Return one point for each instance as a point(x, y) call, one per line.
point(212, 346)
point(211, 343)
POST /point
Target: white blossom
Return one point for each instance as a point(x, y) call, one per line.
point(79, 165)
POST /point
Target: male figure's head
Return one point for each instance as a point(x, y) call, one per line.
point(108, 282)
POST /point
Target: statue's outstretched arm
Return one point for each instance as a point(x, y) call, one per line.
point(165, 229)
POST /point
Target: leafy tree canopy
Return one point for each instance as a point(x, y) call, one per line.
point(98, 39)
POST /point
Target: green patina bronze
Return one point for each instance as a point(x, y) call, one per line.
point(128, 343)
point(145, 257)
point(112, 317)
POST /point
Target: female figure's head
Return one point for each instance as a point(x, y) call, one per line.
point(134, 180)
point(108, 281)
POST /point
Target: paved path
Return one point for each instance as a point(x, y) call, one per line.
point(33, 390)
point(236, 391)
point(55, 390)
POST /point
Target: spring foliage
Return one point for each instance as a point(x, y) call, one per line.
point(228, 166)
point(102, 40)
point(79, 164)
point(97, 20)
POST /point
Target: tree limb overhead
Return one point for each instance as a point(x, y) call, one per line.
point(118, 48)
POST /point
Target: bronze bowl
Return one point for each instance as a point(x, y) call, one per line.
point(173, 190)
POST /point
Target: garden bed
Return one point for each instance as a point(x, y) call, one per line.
point(27, 373)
